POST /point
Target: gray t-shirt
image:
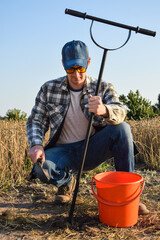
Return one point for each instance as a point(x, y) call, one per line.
point(75, 124)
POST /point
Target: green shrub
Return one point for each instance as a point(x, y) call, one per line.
point(15, 114)
point(138, 107)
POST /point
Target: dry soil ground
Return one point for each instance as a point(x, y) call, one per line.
point(27, 212)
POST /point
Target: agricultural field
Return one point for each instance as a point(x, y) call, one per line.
point(26, 207)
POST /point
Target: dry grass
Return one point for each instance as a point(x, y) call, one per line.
point(14, 147)
point(146, 134)
point(13, 152)
point(27, 210)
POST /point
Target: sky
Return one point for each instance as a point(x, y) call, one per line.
point(33, 32)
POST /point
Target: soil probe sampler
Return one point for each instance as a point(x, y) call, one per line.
point(105, 50)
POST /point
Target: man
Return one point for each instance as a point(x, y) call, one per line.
point(64, 105)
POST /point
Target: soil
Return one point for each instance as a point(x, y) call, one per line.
point(27, 212)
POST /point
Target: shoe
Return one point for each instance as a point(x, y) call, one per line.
point(64, 193)
point(143, 209)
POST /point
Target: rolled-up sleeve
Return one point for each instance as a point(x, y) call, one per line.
point(116, 109)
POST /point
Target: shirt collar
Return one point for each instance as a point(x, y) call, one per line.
point(64, 84)
point(88, 86)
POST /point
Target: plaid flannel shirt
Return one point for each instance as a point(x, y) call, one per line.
point(52, 103)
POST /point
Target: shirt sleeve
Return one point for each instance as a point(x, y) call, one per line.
point(38, 122)
point(117, 110)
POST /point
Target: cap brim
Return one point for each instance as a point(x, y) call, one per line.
point(75, 62)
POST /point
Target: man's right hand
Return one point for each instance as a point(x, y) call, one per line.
point(36, 152)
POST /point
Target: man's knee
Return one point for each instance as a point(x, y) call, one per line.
point(125, 128)
point(120, 131)
point(122, 127)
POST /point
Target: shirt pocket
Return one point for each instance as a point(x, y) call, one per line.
point(56, 113)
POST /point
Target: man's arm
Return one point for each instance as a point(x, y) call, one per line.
point(116, 109)
point(109, 106)
point(37, 125)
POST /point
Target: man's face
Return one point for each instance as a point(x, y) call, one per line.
point(77, 79)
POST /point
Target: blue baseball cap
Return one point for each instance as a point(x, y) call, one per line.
point(75, 53)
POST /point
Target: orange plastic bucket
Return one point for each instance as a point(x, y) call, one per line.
point(118, 197)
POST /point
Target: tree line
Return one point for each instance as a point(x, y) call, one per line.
point(137, 106)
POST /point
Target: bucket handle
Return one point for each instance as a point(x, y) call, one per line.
point(114, 204)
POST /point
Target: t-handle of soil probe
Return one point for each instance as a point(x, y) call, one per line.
point(75, 13)
point(116, 24)
point(146, 32)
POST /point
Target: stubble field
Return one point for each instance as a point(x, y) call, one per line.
point(26, 207)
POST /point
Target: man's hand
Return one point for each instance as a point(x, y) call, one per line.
point(96, 106)
point(36, 152)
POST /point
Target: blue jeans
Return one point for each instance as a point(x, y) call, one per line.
point(64, 160)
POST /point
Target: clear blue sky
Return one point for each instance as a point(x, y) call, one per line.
point(33, 32)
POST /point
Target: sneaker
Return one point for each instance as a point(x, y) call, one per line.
point(64, 193)
point(143, 209)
